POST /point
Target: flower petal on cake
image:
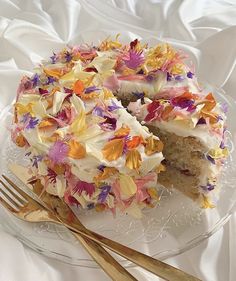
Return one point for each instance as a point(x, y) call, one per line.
point(123, 131)
point(134, 142)
point(128, 187)
point(113, 149)
point(153, 146)
point(58, 99)
point(58, 152)
point(218, 153)
point(106, 173)
point(103, 64)
point(76, 150)
point(133, 159)
point(78, 87)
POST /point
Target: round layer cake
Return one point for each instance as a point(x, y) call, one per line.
point(76, 117)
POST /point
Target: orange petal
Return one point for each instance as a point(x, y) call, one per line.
point(123, 131)
point(153, 146)
point(133, 159)
point(165, 113)
point(113, 149)
point(53, 138)
point(46, 124)
point(20, 140)
point(78, 87)
point(134, 142)
point(106, 173)
point(76, 150)
point(211, 115)
point(59, 169)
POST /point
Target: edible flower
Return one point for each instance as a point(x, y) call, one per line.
point(123, 131)
point(113, 149)
point(78, 87)
point(134, 59)
point(134, 142)
point(81, 186)
point(58, 152)
point(76, 150)
point(133, 159)
point(153, 145)
point(104, 193)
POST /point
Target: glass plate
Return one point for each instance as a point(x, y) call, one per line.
point(175, 225)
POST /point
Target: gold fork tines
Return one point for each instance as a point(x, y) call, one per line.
point(24, 207)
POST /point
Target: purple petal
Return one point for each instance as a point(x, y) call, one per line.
point(91, 89)
point(33, 121)
point(190, 74)
point(35, 80)
point(210, 159)
point(168, 76)
point(98, 111)
point(53, 58)
point(201, 121)
point(113, 107)
point(103, 195)
point(139, 95)
point(58, 152)
point(179, 78)
point(182, 103)
point(68, 56)
point(109, 124)
point(36, 159)
point(222, 144)
point(51, 80)
point(134, 59)
point(101, 167)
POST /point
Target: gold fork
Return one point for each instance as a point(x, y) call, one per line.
point(159, 268)
point(27, 209)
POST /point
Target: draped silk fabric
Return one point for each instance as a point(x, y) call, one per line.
point(31, 29)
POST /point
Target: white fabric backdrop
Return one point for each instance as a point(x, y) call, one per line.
point(31, 30)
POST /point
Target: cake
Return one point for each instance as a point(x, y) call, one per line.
point(93, 121)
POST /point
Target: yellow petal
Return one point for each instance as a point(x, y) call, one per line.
point(107, 94)
point(206, 203)
point(153, 146)
point(22, 109)
point(106, 173)
point(78, 125)
point(218, 153)
point(128, 187)
point(113, 149)
point(123, 131)
point(160, 168)
point(133, 159)
point(46, 123)
point(76, 150)
point(152, 191)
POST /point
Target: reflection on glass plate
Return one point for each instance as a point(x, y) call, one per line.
point(175, 225)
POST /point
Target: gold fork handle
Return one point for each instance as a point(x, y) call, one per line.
point(105, 260)
point(155, 266)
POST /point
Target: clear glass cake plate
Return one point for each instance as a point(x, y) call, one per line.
point(175, 225)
